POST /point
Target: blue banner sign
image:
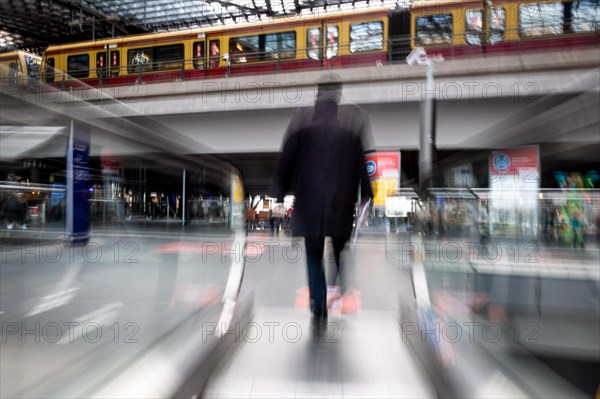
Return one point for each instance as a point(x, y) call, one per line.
point(78, 159)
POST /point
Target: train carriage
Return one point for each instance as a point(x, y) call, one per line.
point(334, 39)
point(455, 28)
point(116, 61)
point(542, 25)
point(19, 68)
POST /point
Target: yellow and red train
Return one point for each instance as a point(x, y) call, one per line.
point(331, 38)
point(19, 68)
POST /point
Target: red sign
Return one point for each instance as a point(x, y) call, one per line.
point(383, 165)
point(110, 161)
point(512, 162)
point(383, 169)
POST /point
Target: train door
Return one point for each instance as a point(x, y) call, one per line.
point(214, 53)
point(13, 73)
point(115, 63)
point(49, 69)
point(199, 59)
point(198, 55)
point(313, 43)
point(399, 35)
point(101, 66)
point(331, 45)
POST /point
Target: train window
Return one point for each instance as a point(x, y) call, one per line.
point(139, 58)
point(313, 40)
point(33, 66)
point(366, 36)
point(245, 49)
point(537, 19)
point(270, 46)
point(215, 53)
point(168, 57)
point(434, 29)
point(50, 70)
point(115, 63)
point(474, 27)
point(78, 66)
point(497, 24)
point(155, 58)
point(280, 45)
point(101, 65)
point(198, 54)
point(333, 37)
point(586, 16)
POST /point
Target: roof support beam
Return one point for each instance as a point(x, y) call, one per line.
point(238, 6)
point(76, 5)
point(256, 10)
point(269, 9)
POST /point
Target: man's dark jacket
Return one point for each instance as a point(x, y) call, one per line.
point(323, 163)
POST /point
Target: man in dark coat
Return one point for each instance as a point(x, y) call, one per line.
point(323, 163)
point(350, 116)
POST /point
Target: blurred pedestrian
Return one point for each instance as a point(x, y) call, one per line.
point(288, 218)
point(351, 117)
point(250, 219)
point(323, 162)
point(278, 215)
point(16, 207)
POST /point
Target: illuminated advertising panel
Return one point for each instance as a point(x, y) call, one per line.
point(383, 169)
point(514, 192)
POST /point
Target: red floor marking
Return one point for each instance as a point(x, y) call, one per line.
point(497, 312)
point(180, 247)
point(196, 295)
point(456, 303)
point(209, 248)
point(349, 303)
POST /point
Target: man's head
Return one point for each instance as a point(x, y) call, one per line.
point(329, 88)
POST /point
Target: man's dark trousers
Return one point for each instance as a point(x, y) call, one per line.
point(316, 273)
